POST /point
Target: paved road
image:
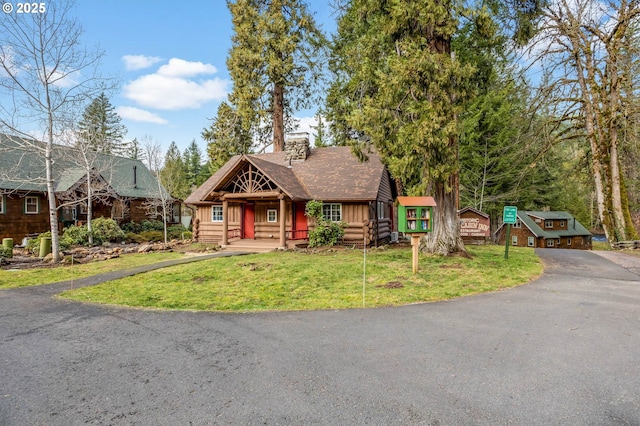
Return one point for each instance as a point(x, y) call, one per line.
point(562, 350)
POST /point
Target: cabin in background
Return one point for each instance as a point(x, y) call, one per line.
point(125, 190)
point(552, 229)
point(262, 197)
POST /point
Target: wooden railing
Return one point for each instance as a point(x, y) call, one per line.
point(233, 233)
point(626, 245)
point(298, 234)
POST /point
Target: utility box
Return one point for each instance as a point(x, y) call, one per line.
point(415, 214)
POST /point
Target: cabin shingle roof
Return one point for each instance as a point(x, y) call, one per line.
point(328, 174)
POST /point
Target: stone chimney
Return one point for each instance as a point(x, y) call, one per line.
point(296, 147)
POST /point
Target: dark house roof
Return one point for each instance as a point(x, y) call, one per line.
point(22, 168)
point(328, 174)
point(573, 227)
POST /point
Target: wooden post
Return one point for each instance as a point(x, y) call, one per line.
point(415, 248)
point(225, 223)
point(283, 223)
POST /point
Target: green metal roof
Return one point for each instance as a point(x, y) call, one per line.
point(22, 168)
point(574, 228)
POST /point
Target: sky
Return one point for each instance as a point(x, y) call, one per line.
point(169, 59)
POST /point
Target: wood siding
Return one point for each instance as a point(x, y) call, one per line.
point(16, 224)
point(523, 233)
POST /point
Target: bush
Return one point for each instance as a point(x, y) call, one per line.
point(5, 252)
point(177, 231)
point(151, 225)
point(152, 236)
point(105, 229)
point(135, 238)
point(131, 227)
point(326, 232)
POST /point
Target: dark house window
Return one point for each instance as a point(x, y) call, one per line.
point(2, 203)
point(332, 211)
point(548, 224)
point(31, 205)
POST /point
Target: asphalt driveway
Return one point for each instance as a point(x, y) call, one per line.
point(564, 349)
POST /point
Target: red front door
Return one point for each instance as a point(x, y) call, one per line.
point(300, 222)
point(248, 221)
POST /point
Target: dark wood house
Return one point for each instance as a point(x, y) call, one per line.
point(123, 189)
point(263, 196)
point(552, 229)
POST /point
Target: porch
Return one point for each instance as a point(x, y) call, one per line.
point(259, 246)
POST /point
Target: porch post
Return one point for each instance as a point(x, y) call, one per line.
point(283, 222)
point(225, 223)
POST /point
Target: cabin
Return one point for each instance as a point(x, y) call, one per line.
point(262, 197)
point(475, 226)
point(122, 189)
point(553, 229)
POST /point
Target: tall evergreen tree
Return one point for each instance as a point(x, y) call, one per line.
point(226, 137)
point(101, 127)
point(400, 88)
point(173, 174)
point(195, 170)
point(274, 64)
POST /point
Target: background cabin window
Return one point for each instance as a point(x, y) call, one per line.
point(562, 222)
point(2, 203)
point(530, 241)
point(518, 224)
point(31, 205)
point(568, 241)
point(216, 213)
point(548, 224)
point(514, 240)
point(332, 211)
point(549, 243)
point(382, 211)
point(272, 215)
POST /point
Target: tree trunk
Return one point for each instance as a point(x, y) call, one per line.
point(51, 198)
point(89, 209)
point(278, 118)
point(445, 238)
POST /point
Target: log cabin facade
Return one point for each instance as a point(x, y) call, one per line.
point(553, 229)
point(263, 196)
point(125, 189)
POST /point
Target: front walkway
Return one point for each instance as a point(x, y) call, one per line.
point(59, 287)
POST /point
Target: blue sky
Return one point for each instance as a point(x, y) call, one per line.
point(170, 61)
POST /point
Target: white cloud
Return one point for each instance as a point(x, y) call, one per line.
point(181, 68)
point(171, 89)
point(140, 115)
point(138, 62)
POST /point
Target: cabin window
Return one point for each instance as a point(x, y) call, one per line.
point(216, 213)
point(568, 241)
point(550, 243)
point(514, 240)
point(530, 241)
point(548, 224)
point(31, 205)
point(272, 215)
point(332, 211)
point(518, 224)
point(562, 223)
point(382, 211)
point(2, 203)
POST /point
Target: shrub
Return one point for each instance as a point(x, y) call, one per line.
point(152, 236)
point(131, 227)
point(135, 238)
point(106, 229)
point(5, 252)
point(326, 232)
point(33, 245)
point(177, 231)
point(151, 225)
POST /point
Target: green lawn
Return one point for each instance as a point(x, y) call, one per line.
point(329, 280)
point(28, 277)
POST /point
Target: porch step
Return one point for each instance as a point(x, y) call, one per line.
point(252, 245)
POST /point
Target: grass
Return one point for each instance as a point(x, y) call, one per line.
point(29, 277)
point(329, 280)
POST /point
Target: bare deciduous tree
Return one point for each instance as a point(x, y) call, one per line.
point(46, 78)
point(581, 50)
